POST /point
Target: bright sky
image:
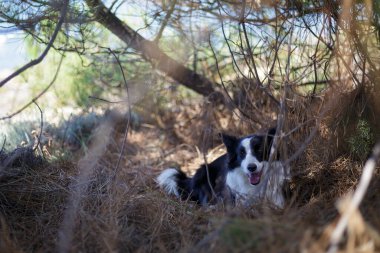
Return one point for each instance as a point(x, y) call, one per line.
point(12, 43)
point(12, 52)
point(12, 56)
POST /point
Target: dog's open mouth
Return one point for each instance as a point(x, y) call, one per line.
point(254, 177)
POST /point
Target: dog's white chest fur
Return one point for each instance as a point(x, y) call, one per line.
point(270, 188)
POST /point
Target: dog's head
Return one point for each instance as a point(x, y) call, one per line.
point(248, 153)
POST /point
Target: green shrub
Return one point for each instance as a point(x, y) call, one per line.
point(361, 142)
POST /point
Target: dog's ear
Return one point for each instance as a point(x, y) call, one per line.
point(229, 141)
point(269, 141)
point(269, 137)
point(272, 132)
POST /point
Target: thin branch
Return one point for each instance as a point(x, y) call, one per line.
point(304, 144)
point(230, 99)
point(166, 20)
point(41, 127)
point(206, 137)
point(65, 132)
point(45, 52)
point(282, 113)
point(250, 50)
point(253, 71)
point(107, 101)
point(129, 115)
point(39, 95)
point(3, 146)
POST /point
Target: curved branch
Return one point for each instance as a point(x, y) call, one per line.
point(45, 52)
point(39, 95)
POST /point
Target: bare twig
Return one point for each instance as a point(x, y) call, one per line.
point(253, 71)
point(230, 99)
point(166, 20)
point(106, 100)
point(205, 140)
point(281, 116)
point(356, 199)
point(230, 50)
point(3, 146)
point(250, 51)
point(41, 127)
point(304, 144)
point(129, 114)
point(39, 95)
point(65, 132)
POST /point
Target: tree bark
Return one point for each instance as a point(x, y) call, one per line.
point(150, 50)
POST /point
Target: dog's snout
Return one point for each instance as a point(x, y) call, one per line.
point(252, 167)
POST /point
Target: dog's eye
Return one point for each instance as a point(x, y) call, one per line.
point(242, 152)
point(256, 147)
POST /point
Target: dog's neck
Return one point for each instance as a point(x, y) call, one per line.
point(269, 189)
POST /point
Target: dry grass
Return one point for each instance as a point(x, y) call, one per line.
point(83, 206)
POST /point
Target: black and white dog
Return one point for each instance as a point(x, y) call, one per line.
point(243, 174)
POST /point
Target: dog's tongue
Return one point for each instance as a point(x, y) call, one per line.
point(254, 178)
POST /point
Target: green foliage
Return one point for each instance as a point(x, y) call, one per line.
point(82, 84)
point(16, 134)
point(77, 80)
point(60, 139)
point(71, 85)
point(240, 234)
point(361, 142)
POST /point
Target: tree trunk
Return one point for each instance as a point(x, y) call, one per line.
point(150, 50)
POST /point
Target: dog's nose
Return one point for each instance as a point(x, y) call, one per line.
point(252, 167)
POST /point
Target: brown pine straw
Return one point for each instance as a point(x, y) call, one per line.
point(45, 208)
point(351, 204)
point(86, 167)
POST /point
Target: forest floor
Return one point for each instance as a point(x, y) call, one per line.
point(103, 198)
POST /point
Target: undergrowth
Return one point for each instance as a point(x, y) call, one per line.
point(89, 204)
